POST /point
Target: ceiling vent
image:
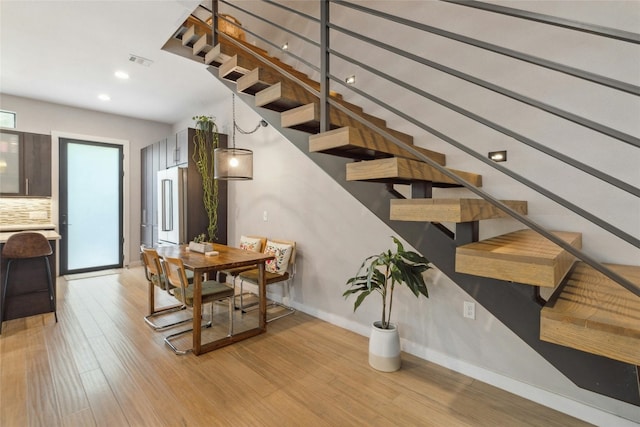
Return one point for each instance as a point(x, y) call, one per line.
point(140, 60)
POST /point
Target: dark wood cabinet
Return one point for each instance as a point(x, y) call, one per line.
point(29, 155)
point(156, 157)
point(37, 165)
point(147, 171)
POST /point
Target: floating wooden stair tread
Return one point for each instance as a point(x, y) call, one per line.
point(307, 118)
point(189, 36)
point(233, 68)
point(522, 256)
point(215, 57)
point(592, 313)
point(398, 170)
point(255, 81)
point(451, 210)
point(280, 97)
point(202, 45)
point(351, 143)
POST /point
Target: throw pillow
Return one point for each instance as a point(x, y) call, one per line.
point(251, 244)
point(282, 253)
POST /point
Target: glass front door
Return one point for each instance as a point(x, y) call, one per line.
point(91, 206)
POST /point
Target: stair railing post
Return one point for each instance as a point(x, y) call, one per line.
point(214, 22)
point(324, 65)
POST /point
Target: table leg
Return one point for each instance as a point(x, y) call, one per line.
point(197, 312)
point(262, 291)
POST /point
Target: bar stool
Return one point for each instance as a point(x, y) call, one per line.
point(27, 245)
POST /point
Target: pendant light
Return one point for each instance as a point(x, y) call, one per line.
point(234, 164)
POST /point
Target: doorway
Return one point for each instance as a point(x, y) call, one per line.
point(91, 206)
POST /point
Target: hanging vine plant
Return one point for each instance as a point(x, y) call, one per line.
point(205, 141)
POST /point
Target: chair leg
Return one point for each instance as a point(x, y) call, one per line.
point(167, 310)
point(232, 304)
point(52, 294)
point(168, 339)
point(242, 306)
point(153, 312)
point(290, 310)
point(5, 283)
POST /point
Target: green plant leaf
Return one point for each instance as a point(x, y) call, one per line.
point(380, 273)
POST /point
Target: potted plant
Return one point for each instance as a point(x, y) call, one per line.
point(205, 141)
point(198, 244)
point(380, 274)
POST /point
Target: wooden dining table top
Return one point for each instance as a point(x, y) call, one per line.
point(227, 257)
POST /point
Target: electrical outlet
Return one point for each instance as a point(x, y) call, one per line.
point(469, 310)
point(265, 216)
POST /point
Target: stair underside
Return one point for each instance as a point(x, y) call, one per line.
point(397, 170)
point(300, 108)
point(592, 313)
point(451, 210)
point(352, 143)
point(522, 256)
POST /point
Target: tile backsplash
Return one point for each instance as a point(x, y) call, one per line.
point(26, 211)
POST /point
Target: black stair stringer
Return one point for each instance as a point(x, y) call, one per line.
point(511, 303)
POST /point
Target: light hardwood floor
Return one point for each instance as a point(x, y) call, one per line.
point(101, 365)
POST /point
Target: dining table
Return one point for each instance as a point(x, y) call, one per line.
point(222, 257)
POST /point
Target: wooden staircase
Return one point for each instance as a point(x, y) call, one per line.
point(586, 311)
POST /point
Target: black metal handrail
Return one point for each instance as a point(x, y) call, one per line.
point(597, 30)
point(598, 127)
point(326, 100)
point(572, 71)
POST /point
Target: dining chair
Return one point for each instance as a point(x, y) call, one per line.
point(156, 278)
point(279, 270)
point(22, 246)
point(247, 243)
point(212, 291)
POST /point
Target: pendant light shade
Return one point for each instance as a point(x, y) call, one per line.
point(233, 164)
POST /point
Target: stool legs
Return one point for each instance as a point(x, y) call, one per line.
point(4, 292)
point(52, 296)
point(50, 290)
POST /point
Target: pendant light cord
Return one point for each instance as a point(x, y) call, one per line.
point(238, 128)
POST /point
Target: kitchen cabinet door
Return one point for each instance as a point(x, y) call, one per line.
point(37, 165)
point(162, 152)
point(182, 147)
point(25, 164)
point(11, 172)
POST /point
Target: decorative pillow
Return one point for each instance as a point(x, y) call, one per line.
point(251, 244)
point(282, 253)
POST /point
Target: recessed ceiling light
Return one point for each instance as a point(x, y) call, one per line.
point(285, 46)
point(104, 97)
point(350, 80)
point(121, 75)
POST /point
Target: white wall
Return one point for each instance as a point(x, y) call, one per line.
point(44, 118)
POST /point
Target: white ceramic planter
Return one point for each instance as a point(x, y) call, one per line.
point(200, 247)
point(384, 348)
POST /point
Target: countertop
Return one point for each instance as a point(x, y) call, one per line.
point(25, 227)
point(49, 234)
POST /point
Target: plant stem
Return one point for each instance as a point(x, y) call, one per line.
point(205, 142)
